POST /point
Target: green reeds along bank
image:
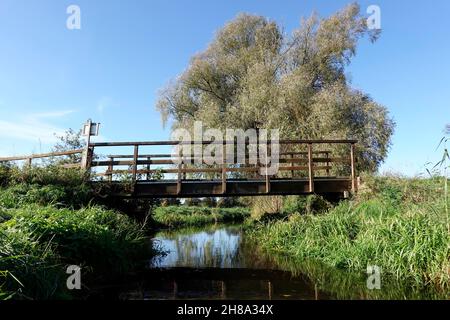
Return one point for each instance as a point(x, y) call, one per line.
point(397, 224)
point(183, 216)
point(47, 223)
point(38, 243)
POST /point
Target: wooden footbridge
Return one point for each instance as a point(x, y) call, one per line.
point(325, 167)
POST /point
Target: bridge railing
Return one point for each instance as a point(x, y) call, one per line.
point(29, 158)
point(293, 163)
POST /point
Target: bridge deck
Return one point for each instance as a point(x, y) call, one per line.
point(234, 188)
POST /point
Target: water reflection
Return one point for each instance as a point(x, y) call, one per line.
point(213, 248)
point(220, 263)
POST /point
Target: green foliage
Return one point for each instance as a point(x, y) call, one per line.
point(253, 74)
point(177, 216)
point(43, 185)
point(304, 205)
point(58, 195)
point(46, 175)
point(71, 140)
point(36, 243)
point(40, 235)
point(398, 228)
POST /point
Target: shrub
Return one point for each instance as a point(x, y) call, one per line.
point(177, 216)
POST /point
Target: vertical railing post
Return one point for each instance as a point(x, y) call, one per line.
point(353, 169)
point(90, 157)
point(292, 164)
point(135, 163)
point(29, 162)
point(310, 168)
point(327, 155)
point(110, 169)
point(266, 168)
point(180, 166)
point(224, 170)
point(148, 168)
point(179, 178)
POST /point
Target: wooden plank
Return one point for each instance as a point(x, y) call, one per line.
point(170, 162)
point(174, 143)
point(214, 170)
point(141, 156)
point(41, 155)
point(212, 188)
point(303, 168)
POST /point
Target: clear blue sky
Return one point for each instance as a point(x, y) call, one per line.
point(52, 78)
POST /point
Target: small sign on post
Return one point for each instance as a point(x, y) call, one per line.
point(90, 129)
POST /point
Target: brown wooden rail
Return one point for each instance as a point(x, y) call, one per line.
point(29, 158)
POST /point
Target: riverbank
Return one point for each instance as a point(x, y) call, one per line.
point(195, 216)
point(48, 222)
point(400, 225)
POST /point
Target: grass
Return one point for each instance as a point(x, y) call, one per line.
point(47, 222)
point(37, 243)
point(185, 216)
point(395, 223)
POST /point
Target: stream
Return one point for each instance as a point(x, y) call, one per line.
point(219, 262)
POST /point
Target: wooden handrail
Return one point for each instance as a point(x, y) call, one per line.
point(130, 156)
point(106, 163)
point(41, 155)
point(174, 143)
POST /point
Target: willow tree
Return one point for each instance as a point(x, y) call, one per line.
point(252, 74)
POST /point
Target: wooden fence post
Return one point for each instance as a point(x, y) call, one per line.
point(292, 164)
point(135, 162)
point(327, 155)
point(180, 174)
point(148, 168)
point(224, 170)
point(110, 169)
point(310, 168)
point(353, 169)
point(267, 170)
